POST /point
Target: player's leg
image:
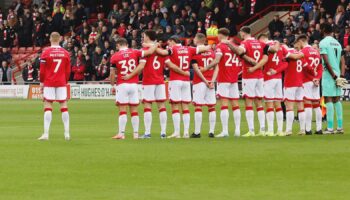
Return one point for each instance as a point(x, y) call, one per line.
point(47, 120)
point(339, 114)
point(279, 118)
point(270, 115)
point(65, 119)
point(224, 116)
point(290, 117)
point(147, 119)
point(301, 116)
point(223, 93)
point(161, 98)
point(318, 116)
point(122, 120)
point(133, 106)
point(308, 116)
point(163, 117)
point(330, 115)
point(135, 120)
point(175, 99)
point(236, 116)
point(148, 95)
point(259, 94)
point(278, 107)
point(186, 100)
point(249, 95)
point(210, 99)
point(198, 101)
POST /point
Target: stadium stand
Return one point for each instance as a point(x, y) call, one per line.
point(90, 28)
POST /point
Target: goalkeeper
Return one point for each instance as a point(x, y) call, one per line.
point(332, 78)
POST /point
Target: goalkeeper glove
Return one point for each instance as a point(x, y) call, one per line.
point(341, 82)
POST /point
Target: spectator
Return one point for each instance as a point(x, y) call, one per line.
point(230, 26)
point(102, 69)
point(347, 62)
point(307, 5)
point(276, 25)
point(346, 37)
point(314, 14)
point(290, 37)
point(340, 18)
point(5, 73)
point(78, 68)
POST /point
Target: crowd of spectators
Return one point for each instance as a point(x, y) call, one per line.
point(92, 42)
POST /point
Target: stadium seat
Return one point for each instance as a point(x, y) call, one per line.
point(14, 50)
point(22, 50)
point(37, 49)
point(29, 50)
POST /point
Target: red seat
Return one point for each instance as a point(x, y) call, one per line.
point(14, 50)
point(22, 50)
point(36, 49)
point(29, 49)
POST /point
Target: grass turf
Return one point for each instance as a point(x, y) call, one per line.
point(93, 166)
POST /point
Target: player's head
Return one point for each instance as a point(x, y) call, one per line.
point(200, 39)
point(326, 29)
point(301, 41)
point(263, 37)
point(149, 36)
point(55, 38)
point(121, 43)
point(223, 34)
point(173, 40)
point(244, 32)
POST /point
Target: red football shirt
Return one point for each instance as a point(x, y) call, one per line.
point(181, 56)
point(229, 65)
point(254, 49)
point(126, 61)
point(153, 73)
point(275, 61)
point(203, 60)
point(55, 67)
point(294, 72)
point(314, 66)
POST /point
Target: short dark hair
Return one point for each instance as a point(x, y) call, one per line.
point(246, 29)
point(121, 42)
point(302, 37)
point(327, 28)
point(200, 36)
point(263, 35)
point(175, 39)
point(224, 31)
point(151, 34)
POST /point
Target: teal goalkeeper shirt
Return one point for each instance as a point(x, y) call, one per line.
point(332, 48)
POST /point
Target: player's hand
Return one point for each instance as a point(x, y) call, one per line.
point(316, 82)
point(272, 72)
point(202, 69)
point(251, 61)
point(211, 85)
point(251, 69)
point(341, 82)
point(126, 77)
point(187, 74)
point(146, 45)
point(113, 90)
point(41, 88)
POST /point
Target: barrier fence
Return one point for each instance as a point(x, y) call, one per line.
point(92, 90)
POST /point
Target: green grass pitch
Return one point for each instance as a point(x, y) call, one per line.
point(93, 166)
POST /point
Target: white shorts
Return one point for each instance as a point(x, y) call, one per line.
point(58, 94)
point(253, 88)
point(153, 93)
point(311, 91)
point(127, 94)
point(203, 96)
point(294, 94)
point(228, 91)
point(180, 91)
point(273, 90)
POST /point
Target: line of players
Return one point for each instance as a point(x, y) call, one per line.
point(259, 61)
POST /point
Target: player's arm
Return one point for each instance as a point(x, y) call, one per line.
point(328, 66)
point(249, 60)
point(112, 77)
point(282, 67)
point(163, 52)
point(215, 62)
point(260, 64)
point(175, 68)
point(215, 74)
point(136, 71)
point(236, 49)
point(202, 48)
point(199, 73)
point(150, 50)
point(295, 56)
point(42, 71)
